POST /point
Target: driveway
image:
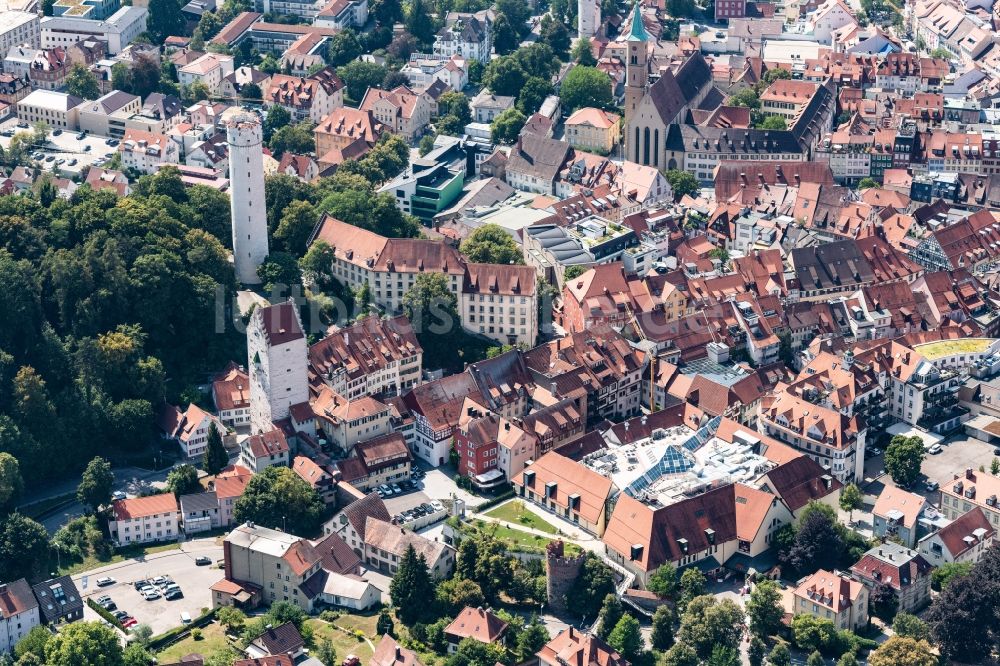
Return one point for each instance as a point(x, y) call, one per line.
point(160, 614)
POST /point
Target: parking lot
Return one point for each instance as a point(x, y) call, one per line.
point(958, 454)
point(401, 503)
point(179, 565)
point(64, 146)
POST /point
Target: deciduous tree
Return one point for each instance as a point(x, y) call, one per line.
point(491, 244)
point(903, 458)
point(278, 498)
point(585, 86)
point(764, 609)
point(96, 484)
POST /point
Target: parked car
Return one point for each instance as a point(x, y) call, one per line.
point(50, 158)
point(150, 595)
point(130, 622)
point(203, 561)
point(170, 595)
point(396, 490)
point(56, 132)
point(931, 486)
point(81, 136)
point(104, 581)
point(139, 584)
point(120, 614)
point(159, 580)
point(185, 617)
point(109, 606)
point(876, 451)
point(935, 449)
point(72, 162)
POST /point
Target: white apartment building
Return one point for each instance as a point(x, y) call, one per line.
point(146, 151)
point(342, 14)
point(467, 35)
point(497, 301)
point(425, 68)
point(277, 363)
point(19, 29)
point(56, 109)
point(209, 69)
point(144, 519)
point(18, 613)
point(118, 30)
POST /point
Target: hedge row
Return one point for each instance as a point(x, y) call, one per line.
point(105, 614)
point(492, 502)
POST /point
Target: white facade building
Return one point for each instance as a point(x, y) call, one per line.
point(18, 613)
point(278, 364)
point(56, 109)
point(209, 69)
point(249, 212)
point(146, 151)
point(589, 18)
point(19, 29)
point(144, 519)
point(118, 30)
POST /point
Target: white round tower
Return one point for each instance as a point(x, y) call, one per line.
point(246, 195)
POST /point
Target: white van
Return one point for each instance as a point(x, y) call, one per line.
point(185, 617)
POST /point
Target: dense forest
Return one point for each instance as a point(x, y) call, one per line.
point(114, 304)
point(110, 307)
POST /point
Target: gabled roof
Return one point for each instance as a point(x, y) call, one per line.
point(16, 598)
point(337, 555)
point(283, 639)
point(477, 623)
point(801, 480)
point(390, 653)
point(563, 479)
point(969, 529)
point(357, 513)
point(143, 507)
point(573, 648)
point(733, 511)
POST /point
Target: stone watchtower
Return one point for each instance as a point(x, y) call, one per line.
point(246, 195)
point(560, 572)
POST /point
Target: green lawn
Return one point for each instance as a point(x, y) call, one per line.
point(519, 540)
point(516, 512)
point(213, 640)
point(91, 561)
point(344, 642)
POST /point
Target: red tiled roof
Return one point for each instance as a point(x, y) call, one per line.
point(478, 623)
point(141, 507)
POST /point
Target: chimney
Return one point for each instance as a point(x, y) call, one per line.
point(968, 473)
point(399, 653)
